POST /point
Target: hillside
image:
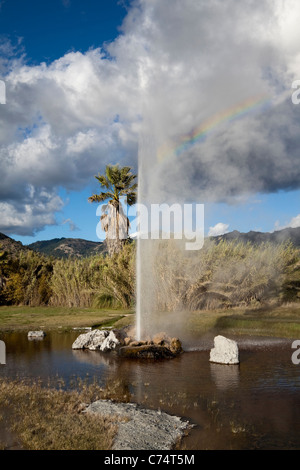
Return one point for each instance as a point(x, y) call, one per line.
point(68, 247)
point(79, 248)
point(10, 245)
point(292, 234)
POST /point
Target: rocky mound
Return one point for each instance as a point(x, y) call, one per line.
point(159, 346)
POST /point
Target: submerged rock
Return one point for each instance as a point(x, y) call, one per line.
point(225, 351)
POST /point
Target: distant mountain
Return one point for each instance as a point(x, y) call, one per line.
point(68, 247)
point(79, 248)
point(280, 236)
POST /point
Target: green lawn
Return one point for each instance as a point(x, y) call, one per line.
point(20, 318)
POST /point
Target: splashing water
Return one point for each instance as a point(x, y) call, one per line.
point(155, 291)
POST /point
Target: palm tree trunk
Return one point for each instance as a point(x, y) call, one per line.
point(114, 243)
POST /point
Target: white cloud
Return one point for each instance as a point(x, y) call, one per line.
point(293, 223)
point(31, 216)
point(176, 66)
point(218, 229)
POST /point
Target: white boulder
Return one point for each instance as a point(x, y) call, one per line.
point(36, 334)
point(225, 351)
point(110, 342)
point(94, 340)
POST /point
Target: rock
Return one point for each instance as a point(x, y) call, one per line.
point(146, 352)
point(140, 428)
point(36, 334)
point(91, 340)
point(176, 346)
point(225, 351)
point(101, 340)
point(161, 347)
point(160, 339)
point(135, 344)
point(110, 342)
point(121, 334)
point(130, 331)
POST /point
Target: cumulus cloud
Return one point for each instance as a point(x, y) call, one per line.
point(62, 123)
point(218, 229)
point(216, 68)
point(30, 215)
point(178, 69)
point(293, 223)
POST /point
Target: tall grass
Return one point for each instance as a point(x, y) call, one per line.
point(98, 281)
point(220, 275)
point(223, 275)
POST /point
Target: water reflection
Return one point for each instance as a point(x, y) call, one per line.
point(95, 358)
point(253, 405)
point(225, 376)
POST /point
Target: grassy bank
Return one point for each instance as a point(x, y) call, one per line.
point(21, 318)
point(282, 321)
point(42, 418)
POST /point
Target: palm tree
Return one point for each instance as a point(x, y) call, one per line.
point(117, 183)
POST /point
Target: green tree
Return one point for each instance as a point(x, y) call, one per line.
point(3, 272)
point(116, 183)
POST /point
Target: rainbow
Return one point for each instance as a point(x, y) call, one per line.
point(200, 133)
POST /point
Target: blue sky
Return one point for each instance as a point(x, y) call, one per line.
point(49, 29)
point(80, 110)
point(46, 31)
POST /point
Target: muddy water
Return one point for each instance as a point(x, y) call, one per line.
point(255, 405)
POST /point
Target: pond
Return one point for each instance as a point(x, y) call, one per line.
point(255, 405)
